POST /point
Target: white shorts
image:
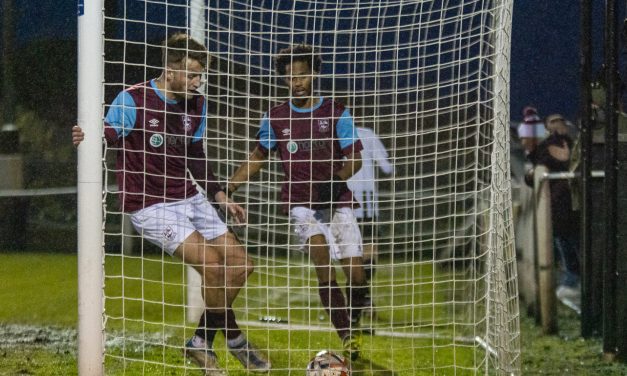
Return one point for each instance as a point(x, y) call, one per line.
point(341, 231)
point(168, 225)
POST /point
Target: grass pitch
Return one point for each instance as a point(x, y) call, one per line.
point(145, 311)
point(39, 311)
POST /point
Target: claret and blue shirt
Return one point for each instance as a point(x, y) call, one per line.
point(159, 139)
point(312, 144)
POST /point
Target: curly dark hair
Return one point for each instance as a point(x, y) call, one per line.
point(300, 52)
point(180, 46)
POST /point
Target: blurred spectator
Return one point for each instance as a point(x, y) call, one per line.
point(555, 153)
point(364, 187)
point(531, 132)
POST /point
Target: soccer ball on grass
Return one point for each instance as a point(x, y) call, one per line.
point(326, 363)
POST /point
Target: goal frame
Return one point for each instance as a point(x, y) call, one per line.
point(89, 189)
point(90, 186)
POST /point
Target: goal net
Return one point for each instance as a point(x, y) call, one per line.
point(431, 79)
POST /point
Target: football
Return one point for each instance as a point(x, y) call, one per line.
point(326, 363)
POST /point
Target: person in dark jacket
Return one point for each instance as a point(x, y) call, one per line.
point(555, 153)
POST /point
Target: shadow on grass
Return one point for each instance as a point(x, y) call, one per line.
point(362, 367)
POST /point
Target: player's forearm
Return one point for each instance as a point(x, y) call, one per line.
point(246, 170)
point(386, 167)
point(350, 167)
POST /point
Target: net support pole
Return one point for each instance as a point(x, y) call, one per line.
point(611, 182)
point(501, 232)
point(588, 322)
point(89, 186)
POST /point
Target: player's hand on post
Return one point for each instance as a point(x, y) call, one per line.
point(77, 135)
point(230, 208)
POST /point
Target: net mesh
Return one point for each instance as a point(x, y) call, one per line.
point(430, 78)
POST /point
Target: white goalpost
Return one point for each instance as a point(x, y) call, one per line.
point(430, 78)
point(89, 189)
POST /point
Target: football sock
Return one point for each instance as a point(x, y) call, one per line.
point(333, 302)
point(231, 329)
point(208, 325)
point(237, 341)
point(358, 299)
point(211, 321)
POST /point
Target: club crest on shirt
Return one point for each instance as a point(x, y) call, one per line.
point(156, 140)
point(323, 125)
point(169, 233)
point(187, 122)
point(292, 147)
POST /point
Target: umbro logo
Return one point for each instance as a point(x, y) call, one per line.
point(153, 123)
point(286, 132)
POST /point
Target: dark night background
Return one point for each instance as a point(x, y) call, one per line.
point(544, 58)
point(544, 72)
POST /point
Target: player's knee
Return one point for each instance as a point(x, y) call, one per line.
point(239, 273)
point(212, 271)
point(250, 267)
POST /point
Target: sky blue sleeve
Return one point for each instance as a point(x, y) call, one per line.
point(266, 135)
point(345, 130)
point(122, 114)
point(200, 132)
